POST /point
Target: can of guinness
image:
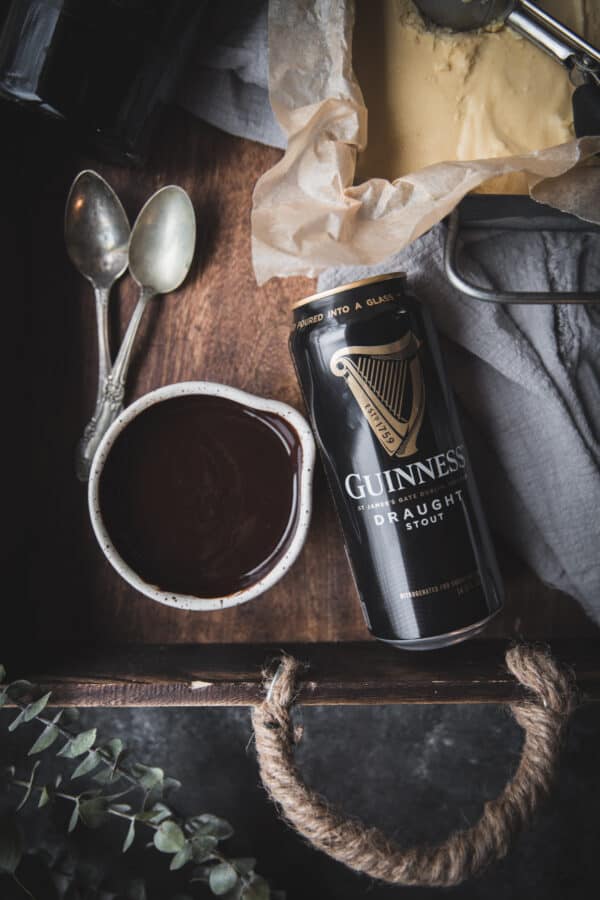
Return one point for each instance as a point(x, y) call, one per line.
point(369, 364)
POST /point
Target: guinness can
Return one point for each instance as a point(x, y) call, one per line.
point(369, 364)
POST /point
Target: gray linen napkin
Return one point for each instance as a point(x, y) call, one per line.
point(227, 84)
point(528, 382)
point(528, 378)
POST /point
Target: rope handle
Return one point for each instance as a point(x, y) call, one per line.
point(543, 718)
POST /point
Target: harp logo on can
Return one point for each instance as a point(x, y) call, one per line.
point(387, 383)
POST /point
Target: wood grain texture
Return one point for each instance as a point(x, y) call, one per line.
point(350, 673)
point(221, 327)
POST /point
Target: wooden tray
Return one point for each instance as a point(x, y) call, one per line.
point(68, 620)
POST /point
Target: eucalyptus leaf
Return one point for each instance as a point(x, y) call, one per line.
point(115, 752)
point(148, 776)
point(153, 796)
point(113, 748)
point(154, 816)
point(2, 673)
point(129, 837)
point(18, 721)
point(105, 776)
point(170, 785)
point(209, 824)
point(182, 857)
point(29, 787)
point(244, 865)
point(158, 813)
point(45, 796)
point(45, 740)
point(74, 818)
point(79, 744)
point(203, 846)
point(87, 765)
point(258, 889)
point(3, 696)
point(34, 709)
point(201, 873)
point(71, 715)
point(151, 779)
point(169, 838)
point(11, 847)
point(94, 812)
point(18, 690)
point(222, 878)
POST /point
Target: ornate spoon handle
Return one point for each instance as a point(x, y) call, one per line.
point(110, 399)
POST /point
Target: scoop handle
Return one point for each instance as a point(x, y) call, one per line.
point(552, 35)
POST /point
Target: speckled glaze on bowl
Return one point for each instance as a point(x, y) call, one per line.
point(187, 388)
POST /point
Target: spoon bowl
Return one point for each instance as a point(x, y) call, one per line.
point(96, 230)
point(163, 240)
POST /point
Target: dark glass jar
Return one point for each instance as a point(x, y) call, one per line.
point(106, 66)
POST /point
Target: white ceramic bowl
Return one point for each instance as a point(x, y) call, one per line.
point(185, 601)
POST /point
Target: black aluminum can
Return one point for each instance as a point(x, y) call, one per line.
point(369, 364)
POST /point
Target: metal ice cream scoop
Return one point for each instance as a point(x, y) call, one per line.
point(528, 19)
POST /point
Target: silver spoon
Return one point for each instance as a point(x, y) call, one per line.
point(161, 249)
point(97, 237)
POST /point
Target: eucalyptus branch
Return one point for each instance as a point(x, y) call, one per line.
point(102, 754)
point(122, 812)
point(192, 839)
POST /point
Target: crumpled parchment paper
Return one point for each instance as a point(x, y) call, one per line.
point(307, 214)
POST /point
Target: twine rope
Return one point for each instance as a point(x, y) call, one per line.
point(543, 717)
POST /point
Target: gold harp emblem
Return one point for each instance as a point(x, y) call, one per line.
point(387, 383)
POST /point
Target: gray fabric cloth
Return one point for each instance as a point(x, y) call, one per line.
point(227, 83)
point(528, 378)
point(528, 382)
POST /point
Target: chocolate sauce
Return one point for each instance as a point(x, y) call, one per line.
point(199, 494)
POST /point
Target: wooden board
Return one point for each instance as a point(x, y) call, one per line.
point(351, 673)
point(219, 327)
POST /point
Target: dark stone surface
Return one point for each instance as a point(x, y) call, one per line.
point(416, 771)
